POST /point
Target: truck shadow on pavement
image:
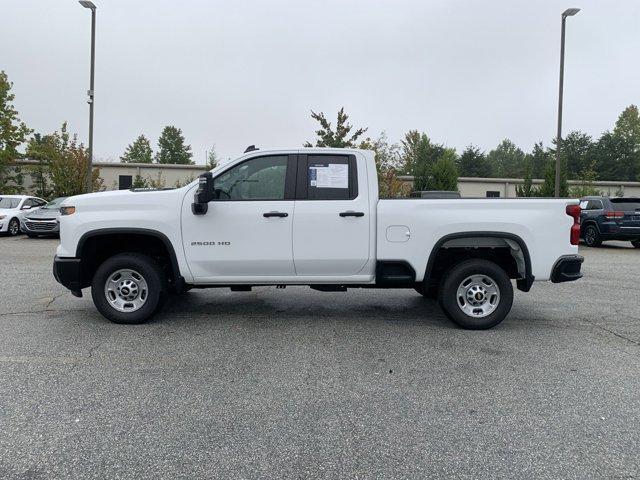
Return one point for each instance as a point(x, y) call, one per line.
point(265, 305)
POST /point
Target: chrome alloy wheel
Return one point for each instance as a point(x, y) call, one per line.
point(126, 290)
point(14, 227)
point(590, 235)
point(478, 296)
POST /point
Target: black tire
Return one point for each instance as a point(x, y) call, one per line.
point(453, 279)
point(592, 236)
point(151, 273)
point(13, 228)
point(636, 243)
point(430, 292)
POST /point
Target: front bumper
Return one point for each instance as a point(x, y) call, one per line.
point(68, 273)
point(567, 269)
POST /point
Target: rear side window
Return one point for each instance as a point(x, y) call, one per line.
point(331, 177)
point(625, 204)
point(594, 205)
point(9, 202)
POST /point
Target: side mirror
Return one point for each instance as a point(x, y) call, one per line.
point(204, 194)
point(26, 207)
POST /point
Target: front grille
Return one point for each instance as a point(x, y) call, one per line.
point(41, 226)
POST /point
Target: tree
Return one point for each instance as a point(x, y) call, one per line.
point(507, 160)
point(157, 182)
point(473, 163)
point(39, 172)
point(172, 148)
point(139, 182)
point(341, 137)
point(526, 189)
point(410, 150)
point(138, 152)
point(538, 159)
point(628, 126)
point(586, 187)
point(388, 164)
point(547, 189)
point(425, 155)
point(13, 133)
point(65, 162)
point(627, 134)
point(444, 173)
point(212, 158)
point(575, 151)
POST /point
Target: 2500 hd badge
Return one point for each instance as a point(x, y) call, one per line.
point(212, 244)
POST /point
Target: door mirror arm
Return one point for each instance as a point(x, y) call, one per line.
point(204, 194)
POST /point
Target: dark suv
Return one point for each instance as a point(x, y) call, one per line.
point(604, 218)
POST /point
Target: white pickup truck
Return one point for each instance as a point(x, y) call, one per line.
point(310, 217)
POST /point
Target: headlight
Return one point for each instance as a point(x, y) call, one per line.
point(67, 210)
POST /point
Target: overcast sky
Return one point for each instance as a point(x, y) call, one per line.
point(234, 73)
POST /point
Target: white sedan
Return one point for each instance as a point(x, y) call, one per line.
point(13, 208)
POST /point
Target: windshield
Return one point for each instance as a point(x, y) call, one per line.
point(55, 203)
point(7, 202)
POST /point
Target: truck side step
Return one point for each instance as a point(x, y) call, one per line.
point(329, 288)
point(240, 288)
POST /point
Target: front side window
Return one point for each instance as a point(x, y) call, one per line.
point(261, 178)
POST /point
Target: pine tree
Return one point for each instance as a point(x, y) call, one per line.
point(548, 188)
point(138, 152)
point(473, 163)
point(212, 158)
point(172, 148)
point(444, 173)
point(526, 189)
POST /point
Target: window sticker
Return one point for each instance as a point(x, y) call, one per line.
point(333, 175)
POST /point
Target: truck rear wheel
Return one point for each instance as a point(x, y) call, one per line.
point(636, 243)
point(128, 288)
point(476, 294)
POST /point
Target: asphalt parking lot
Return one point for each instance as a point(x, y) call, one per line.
point(301, 384)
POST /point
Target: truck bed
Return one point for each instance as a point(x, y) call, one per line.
point(410, 228)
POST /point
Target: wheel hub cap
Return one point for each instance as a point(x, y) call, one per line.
point(478, 296)
point(126, 290)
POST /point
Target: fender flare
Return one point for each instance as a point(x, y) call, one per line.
point(523, 284)
point(101, 232)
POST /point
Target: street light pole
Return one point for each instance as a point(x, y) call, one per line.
point(90, 92)
point(567, 13)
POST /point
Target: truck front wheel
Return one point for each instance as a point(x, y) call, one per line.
point(128, 288)
point(476, 294)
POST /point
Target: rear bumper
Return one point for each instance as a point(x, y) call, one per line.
point(567, 269)
point(68, 273)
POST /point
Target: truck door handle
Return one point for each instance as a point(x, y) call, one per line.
point(351, 213)
point(275, 214)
